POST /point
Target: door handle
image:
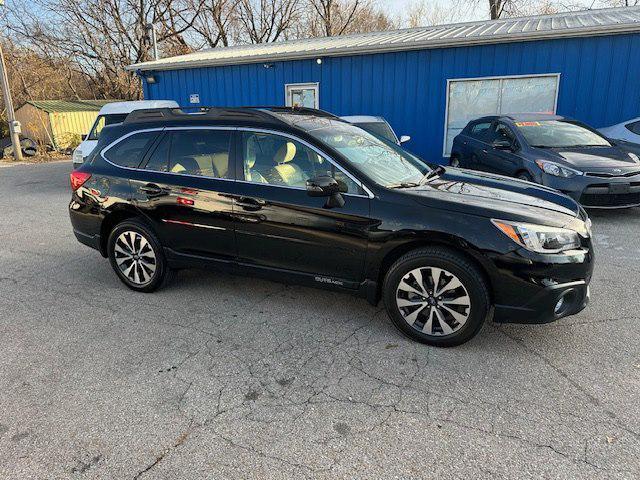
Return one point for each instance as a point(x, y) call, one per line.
point(250, 204)
point(484, 150)
point(154, 190)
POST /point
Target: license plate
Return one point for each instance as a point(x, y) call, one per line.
point(618, 188)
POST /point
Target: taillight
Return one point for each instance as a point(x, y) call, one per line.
point(78, 179)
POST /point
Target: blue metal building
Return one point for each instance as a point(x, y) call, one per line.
point(428, 82)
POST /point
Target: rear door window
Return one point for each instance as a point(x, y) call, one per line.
point(130, 151)
point(159, 158)
point(202, 152)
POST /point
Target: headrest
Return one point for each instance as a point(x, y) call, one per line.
point(285, 153)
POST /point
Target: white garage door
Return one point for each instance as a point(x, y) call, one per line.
point(472, 98)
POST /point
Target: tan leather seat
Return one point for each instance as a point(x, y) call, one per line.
point(186, 165)
point(250, 174)
point(220, 163)
point(285, 172)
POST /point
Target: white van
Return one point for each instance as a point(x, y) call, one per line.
point(112, 113)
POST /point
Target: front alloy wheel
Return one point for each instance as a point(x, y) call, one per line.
point(433, 301)
point(436, 295)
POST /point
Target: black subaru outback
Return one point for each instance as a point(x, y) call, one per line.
point(299, 195)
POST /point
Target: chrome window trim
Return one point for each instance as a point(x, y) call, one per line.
point(368, 192)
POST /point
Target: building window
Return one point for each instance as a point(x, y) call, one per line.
point(302, 95)
point(472, 98)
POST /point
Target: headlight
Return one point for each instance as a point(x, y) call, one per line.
point(634, 157)
point(77, 156)
point(539, 238)
point(557, 170)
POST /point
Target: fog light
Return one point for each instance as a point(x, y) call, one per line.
point(559, 306)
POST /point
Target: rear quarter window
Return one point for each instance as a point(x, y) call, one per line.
point(130, 151)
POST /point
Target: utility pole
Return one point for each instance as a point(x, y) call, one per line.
point(14, 126)
point(151, 35)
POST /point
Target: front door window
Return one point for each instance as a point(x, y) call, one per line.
point(283, 161)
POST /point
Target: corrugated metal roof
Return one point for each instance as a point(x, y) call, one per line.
point(571, 24)
point(51, 106)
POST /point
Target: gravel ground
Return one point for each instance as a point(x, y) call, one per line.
point(229, 377)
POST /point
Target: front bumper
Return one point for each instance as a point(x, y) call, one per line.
point(528, 287)
point(595, 191)
point(545, 306)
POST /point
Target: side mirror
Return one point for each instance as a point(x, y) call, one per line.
point(502, 144)
point(404, 139)
point(327, 186)
point(83, 137)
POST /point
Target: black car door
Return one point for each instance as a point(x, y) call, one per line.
point(279, 226)
point(496, 157)
point(474, 144)
point(184, 188)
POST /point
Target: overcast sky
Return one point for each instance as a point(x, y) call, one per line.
point(477, 10)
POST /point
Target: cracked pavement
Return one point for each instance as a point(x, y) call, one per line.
point(219, 376)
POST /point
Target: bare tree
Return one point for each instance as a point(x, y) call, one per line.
point(422, 13)
point(218, 22)
point(103, 36)
point(266, 20)
point(333, 17)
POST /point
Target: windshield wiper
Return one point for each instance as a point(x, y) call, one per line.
point(403, 185)
point(431, 174)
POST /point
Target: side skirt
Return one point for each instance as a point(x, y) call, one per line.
point(366, 289)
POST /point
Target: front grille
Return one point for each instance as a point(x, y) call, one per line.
point(609, 200)
point(612, 175)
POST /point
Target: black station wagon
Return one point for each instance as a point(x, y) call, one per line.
point(300, 196)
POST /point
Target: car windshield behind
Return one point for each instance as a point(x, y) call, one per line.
point(559, 134)
point(384, 162)
point(378, 128)
point(104, 120)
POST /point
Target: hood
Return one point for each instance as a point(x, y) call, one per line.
point(593, 159)
point(496, 196)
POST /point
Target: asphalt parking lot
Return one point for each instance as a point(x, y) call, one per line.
point(230, 377)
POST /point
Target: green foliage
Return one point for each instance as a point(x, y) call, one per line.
point(68, 140)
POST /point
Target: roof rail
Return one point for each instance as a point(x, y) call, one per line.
point(149, 114)
point(156, 114)
point(296, 109)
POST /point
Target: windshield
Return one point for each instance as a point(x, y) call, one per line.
point(104, 120)
point(380, 129)
point(560, 133)
point(384, 162)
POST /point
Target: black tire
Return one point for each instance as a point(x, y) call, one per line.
point(525, 176)
point(454, 265)
point(161, 273)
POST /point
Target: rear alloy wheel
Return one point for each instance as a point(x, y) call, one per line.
point(136, 256)
point(436, 296)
